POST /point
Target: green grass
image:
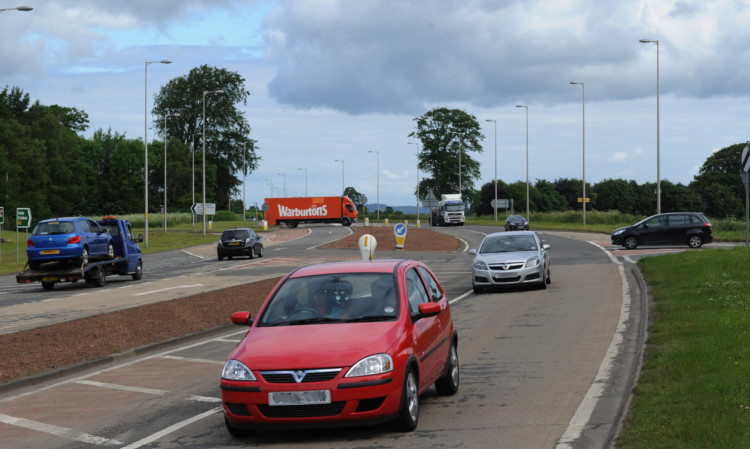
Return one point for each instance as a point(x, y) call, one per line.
point(695, 387)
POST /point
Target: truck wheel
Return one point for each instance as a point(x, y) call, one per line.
point(138, 275)
point(110, 251)
point(98, 277)
point(291, 224)
point(345, 222)
point(48, 285)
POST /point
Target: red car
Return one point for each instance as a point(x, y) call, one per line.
point(340, 344)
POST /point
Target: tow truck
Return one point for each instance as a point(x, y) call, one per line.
point(127, 261)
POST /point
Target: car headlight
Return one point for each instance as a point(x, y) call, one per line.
point(618, 232)
point(534, 261)
point(374, 364)
point(480, 265)
point(236, 370)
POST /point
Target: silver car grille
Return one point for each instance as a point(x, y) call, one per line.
point(506, 266)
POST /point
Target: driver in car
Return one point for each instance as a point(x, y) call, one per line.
point(324, 303)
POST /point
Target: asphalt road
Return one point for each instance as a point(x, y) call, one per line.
point(539, 368)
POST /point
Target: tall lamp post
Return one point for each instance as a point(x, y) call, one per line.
point(377, 154)
point(527, 159)
point(205, 92)
point(244, 175)
point(460, 150)
point(284, 189)
point(17, 8)
point(305, 180)
point(342, 174)
point(417, 144)
point(495, 208)
point(145, 141)
point(658, 140)
point(583, 102)
point(176, 114)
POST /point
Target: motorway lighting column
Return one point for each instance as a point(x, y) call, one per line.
point(145, 142)
point(495, 208)
point(17, 8)
point(342, 174)
point(284, 184)
point(377, 154)
point(658, 140)
point(460, 150)
point(417, 144)
point(244, 175)
point(305, 180)
point(528, 218)
point(205, 92)
point(583, 103)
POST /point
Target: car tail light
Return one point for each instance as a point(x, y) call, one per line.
point(75, 239)
point(29, 242)
point(707, 224)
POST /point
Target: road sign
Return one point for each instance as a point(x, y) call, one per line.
point(746, 158)
point(400, 232)
point(2, 215)
point(430, 200)
point(504, 203)
point(197, 208)
point(580, 200)
point(23, 217)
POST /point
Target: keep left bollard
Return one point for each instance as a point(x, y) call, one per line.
point(367, 245)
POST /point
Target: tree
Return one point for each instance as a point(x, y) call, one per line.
point(228, 143)
point(447, 136)
point(719, 183)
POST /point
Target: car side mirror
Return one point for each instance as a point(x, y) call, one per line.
point(546, 246)
point(428, 309)
point(472, 251)
point(242, 318)
point(140, 238)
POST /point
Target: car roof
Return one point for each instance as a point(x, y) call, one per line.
point(351, 266)
point(503, 233)
point(64, 219)
point(238, 229)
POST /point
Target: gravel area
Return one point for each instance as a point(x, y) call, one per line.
point(47, 348)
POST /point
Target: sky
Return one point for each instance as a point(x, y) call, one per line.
point(344, 80)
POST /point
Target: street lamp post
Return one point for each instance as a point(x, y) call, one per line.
point(658, 140)
point(305, 180)
point(176, 114)
point(145, 142)
point(377, 154)
point(495, 208)
point(244, 175)
point(270, 184)
point(17, 8)
point(284, 189)
point(342, 174)
point(528, 218)
point(460, 150)
point(205, 92)
point(583, 102)
point(417, 144)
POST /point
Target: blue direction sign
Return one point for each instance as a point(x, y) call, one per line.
point(400, 232)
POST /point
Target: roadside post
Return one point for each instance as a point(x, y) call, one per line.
point(745, 160)
point(367, 245)
point(430, 200)
point(2, 221)
point(399, 231)
point(23, 221)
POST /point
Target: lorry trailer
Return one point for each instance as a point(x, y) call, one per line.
point(316, 209)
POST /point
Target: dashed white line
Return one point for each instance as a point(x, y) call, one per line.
point(62, 432)
point(121, 387)
point(168, 288)
point(153, 437)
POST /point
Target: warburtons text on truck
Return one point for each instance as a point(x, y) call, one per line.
point(314, 209)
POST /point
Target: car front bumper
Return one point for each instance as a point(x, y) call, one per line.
point(497, 278)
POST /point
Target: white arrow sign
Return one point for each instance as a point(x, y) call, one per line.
point(197, 208)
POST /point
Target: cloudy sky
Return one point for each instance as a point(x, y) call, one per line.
point(334, 79)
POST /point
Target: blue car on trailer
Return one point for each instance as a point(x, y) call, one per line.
point(122, 256)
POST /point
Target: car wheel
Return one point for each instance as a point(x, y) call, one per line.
point(695, 241)
point(85, 256)
point(237, 432)
point(408, 415)
point(252, 253)
point(630, 242)
point(110, 250)
point(477, 289)
point(260, 251)
point(138, 275)
point(447, 385)
point(221, 258)
point(548, 279)
point(48, 285)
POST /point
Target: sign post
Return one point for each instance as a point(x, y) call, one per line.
point(745, 161)
point(23, 221)
point(2, 221)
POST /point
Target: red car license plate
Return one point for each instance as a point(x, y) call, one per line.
point(299, 397)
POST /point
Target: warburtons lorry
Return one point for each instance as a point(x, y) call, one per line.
point(450, 211)
point(315, 209)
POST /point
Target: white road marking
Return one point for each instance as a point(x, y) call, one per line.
point(586, 407)
point(190, 359)
point(168, 288)
point(153, 437)
point(62, 432)
point(112, 386)
point(194, 255)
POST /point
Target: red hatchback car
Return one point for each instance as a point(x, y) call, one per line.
point(340, 344)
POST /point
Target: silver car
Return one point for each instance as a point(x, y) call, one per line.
point(510, 258)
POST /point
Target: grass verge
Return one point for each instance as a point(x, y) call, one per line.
point(694, 391)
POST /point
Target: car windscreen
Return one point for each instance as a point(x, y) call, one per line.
point(54, 228)
point(508, 243)
point(333, 298)
point(234, 235)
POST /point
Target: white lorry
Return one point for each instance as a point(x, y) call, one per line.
point(450, 211)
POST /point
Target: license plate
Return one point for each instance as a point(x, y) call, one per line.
point(233, 243)
point(50, 279)
point(503, 275)
point(299, 397)
point(50, 251)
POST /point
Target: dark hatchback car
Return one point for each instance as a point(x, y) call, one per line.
point(691, 228)
point(516, 223)
point(239, 242)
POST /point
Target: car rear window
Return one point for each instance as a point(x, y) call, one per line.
point(54, 228)
point(234, 235)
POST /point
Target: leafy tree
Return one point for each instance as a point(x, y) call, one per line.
point(446, 136)
point(719, 183)
point(228, 143)
point(546, 198)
